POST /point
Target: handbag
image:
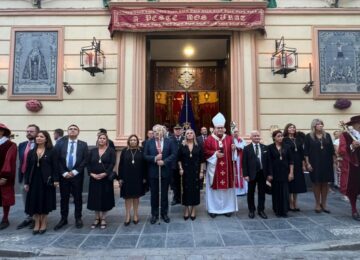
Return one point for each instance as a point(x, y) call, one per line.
point(49, 181)
point(112, 176)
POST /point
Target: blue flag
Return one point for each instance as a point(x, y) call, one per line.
point(182, 118)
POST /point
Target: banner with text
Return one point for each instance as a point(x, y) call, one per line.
point(170, 19)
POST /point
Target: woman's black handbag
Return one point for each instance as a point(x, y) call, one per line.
point(49, 181)
point(112, 176)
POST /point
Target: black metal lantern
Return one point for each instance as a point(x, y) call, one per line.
point(92, 58)
point(284, 60)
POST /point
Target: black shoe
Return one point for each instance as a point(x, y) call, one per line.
point(262, 215)
point(251, 214)
point(32, 224)
point(79, 223)
point(165, 218)
point(228, 215)
point(193, 218)
point(61, 223)
point(285, 215)
point(35, 232)
point(25, 223)
point(42, 231)
point(4, 224)
point(186, 217)
point(153, 220)
point(356, 216)
point(136, 222)
point(127, 223)
point(212, 215)
point(325, 210)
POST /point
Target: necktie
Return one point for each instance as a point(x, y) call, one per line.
point(71, 156)
point(26, 152)
point(158, 146)
point(257, 150)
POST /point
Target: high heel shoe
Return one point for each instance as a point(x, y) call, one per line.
point(193, 218)
point(35, 232)
point(42, 231)
point(186, 218)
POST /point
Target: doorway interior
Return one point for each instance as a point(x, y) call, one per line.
point(199, 61)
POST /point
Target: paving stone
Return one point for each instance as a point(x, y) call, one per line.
point(276, 224)
point(155, 228)
point(71, 241)
point(302, 222)
point(253, 225)
point(194, 257)
point(263, 238)
point(96, 242)
point(152, 241)
point(207, 240)
point(204, 226)
point(290, 236)
point(124, 241)
point(230, 225)
point(179, 240)
point(235, 238)
point(318, 234)
point(180, 227)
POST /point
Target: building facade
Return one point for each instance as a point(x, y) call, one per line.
point(231, 68)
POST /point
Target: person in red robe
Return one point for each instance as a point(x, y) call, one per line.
point(349, 150)
point(8, 152)
point(220, 190)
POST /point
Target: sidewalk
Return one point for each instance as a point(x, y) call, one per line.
point(304, 234)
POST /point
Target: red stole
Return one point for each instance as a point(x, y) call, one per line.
point(223, 176)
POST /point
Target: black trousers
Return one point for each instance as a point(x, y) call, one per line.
point(73, 186)
point(176, 185)
point(154, 188)
point(261, 182)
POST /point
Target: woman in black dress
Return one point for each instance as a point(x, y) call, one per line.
point(132, 177)
point(295, 140)
point(319, 155)
point(282, 171)
point(191, 165)
point(101, 190)
point(41, 179)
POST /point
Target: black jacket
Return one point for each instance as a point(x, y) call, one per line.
point(249, 161)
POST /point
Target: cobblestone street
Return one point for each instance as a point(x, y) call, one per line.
point(301, 235)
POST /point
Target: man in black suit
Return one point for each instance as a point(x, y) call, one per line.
point(177, 139)
point(23, 150)
point(201, 138)
point(72, 154)
point(254, 165)
point(160, 153)
point(150, 135)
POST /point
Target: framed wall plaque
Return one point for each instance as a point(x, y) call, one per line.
point(337, 62)
point(36, 63)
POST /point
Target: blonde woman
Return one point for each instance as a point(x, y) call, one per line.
point(319, 155)
point(191, 164)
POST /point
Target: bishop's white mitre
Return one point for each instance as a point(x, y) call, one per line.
point(219, 120)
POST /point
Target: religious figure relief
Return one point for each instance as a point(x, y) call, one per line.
point(35, 62)
point(35, 66)
point(339, 61)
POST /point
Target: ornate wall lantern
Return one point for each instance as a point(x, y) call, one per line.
point(284, 60)
point(92, 58)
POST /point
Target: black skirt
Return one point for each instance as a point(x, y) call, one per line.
point(41, 198)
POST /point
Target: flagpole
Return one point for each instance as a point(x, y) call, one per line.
point(186, 106)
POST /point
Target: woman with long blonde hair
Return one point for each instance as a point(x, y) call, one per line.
point(191, 164)
point(319, 155)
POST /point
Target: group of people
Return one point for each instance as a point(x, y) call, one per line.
point(230, 166)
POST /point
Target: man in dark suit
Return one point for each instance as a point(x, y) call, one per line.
point(201, 138)
point(254, 165)
point(150, 135)
point(177, 139)
point(160, 153)
point(72, 154)
point(23, 150)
